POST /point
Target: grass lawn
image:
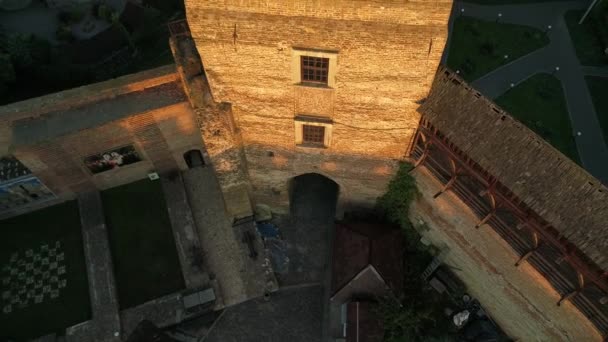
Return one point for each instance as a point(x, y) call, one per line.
point(58, 227)
point(598, 87)
point(145, 258)
point(539, 103)
point(478, 47)
point(589, 48)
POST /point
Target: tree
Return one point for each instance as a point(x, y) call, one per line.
point(395, 203)
point(7, 71)
point(25, 50)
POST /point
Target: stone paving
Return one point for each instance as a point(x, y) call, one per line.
point(105, 322)
point(559, 53)
point(226, 256)
point(291, 314)
point(184, 231)
point(299, 310)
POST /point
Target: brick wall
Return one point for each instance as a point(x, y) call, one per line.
point(387, 53)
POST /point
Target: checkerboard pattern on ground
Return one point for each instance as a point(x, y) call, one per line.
point(32, 277)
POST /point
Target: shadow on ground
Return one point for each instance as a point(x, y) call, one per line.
point(292, 315)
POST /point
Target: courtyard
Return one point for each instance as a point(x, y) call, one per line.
point(146, 264)
point(44, 279)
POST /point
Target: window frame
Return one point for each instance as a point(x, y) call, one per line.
point(321, 72)
point(316, 132)
point(306, 120)
point(332, 66)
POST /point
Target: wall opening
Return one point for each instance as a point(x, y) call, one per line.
point(313, 196)
point(194, 158)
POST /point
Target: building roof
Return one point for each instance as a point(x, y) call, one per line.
point(362, 324)
point(358, 245)
point(568, 197)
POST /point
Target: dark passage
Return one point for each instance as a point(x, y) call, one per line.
point(313, 197)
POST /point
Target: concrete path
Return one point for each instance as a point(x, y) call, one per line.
point(185, 232)
point(105, 323)
point(559, 53)
point(226, 256)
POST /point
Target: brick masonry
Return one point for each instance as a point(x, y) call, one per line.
point(387, 53)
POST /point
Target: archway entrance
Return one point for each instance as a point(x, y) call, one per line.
point(313, 197)
point(308, 229)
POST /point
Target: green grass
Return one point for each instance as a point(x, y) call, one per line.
point(539, 103)
point(598, 87)
point(146, 265)
point(589, 47)
point(478, 47)
point(30, 231)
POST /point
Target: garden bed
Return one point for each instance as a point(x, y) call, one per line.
point(478, 47)
point(146, 264)
point(44, 278)
point(539, 103)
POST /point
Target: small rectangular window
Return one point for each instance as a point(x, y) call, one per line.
point(313, 134)
point(314, 69)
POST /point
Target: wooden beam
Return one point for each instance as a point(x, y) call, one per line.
point(452, 180)
point(510, 201)
point(536, 243)
point(486, 218)
point(568, 296)
point(525, 256)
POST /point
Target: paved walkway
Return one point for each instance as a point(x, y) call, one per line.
point(292, 314)
point(226, 256)
point(559, 53)
point(105, 322)
point(185, 232)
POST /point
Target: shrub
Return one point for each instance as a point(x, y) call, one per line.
point(395, 203)
point(64, 34)
point(25, 50)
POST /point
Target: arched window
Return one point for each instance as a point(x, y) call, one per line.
point(194, 158)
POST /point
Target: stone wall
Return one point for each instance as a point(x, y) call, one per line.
point(160, 138)
point(53, 135)
point(385, 56)
point(216, 125)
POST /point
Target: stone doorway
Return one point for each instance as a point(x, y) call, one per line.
point(313, 197)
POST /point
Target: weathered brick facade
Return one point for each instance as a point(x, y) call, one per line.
point(384, 56)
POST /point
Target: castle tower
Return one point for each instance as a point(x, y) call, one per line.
point(320, 86)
